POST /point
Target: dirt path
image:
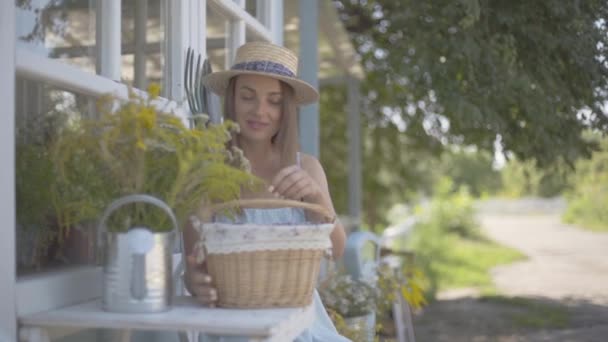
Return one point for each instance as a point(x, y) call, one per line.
point(563, 261)
point(561, 289)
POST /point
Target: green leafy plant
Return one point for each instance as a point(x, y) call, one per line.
point(135, 147)
point(37, 233)
point(588, 198)
point(450, 248)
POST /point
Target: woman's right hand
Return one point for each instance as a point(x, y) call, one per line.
point(198, 282)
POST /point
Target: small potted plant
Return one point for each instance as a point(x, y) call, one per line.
point(145, 171)
point(355, 303)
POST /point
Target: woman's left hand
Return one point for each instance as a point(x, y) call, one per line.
point(295, 183)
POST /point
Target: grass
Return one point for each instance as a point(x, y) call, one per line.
point(586, 223)
point(467, 263)
point(452, 261)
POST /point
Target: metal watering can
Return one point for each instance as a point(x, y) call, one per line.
point(137, 265)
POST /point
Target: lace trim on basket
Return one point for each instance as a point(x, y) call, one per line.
point(256, 247)
point(223, 238)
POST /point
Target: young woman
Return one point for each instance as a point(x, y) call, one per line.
point(261, 93)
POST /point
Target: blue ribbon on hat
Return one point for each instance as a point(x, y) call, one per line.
point(264, 66)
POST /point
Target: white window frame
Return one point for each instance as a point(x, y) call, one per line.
point(270, 14)
point(186, 28)
point(8, 319)
point(235, 11)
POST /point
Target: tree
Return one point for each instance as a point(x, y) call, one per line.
point(468, 71)
point(396, 166)
point(530, 74)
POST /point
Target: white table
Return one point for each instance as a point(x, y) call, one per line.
point(185, 315)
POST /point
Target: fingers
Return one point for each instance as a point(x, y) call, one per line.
point(294, 183)
point(205, 294)
point(285, 172)
point(200, 283)
point(298, 189)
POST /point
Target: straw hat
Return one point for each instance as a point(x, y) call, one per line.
point(266, 59)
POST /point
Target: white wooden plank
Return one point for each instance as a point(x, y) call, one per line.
point(8, 322)
point(66, 76)
point(69, 77)
point(108, 38)
point(177, 42)
point(232, 11)
point(186, 314)
point(51, 290)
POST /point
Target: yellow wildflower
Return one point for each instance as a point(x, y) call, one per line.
point(147, 117)
point(154, 90)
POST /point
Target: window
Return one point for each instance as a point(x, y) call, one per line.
point(59, 29)
point(217, 26)
point(42, 112)
point(144, 35)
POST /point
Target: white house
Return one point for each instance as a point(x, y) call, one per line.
point(61, 54)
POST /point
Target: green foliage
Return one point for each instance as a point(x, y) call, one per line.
point(449, 246)
point(588, 198)
point(33, 177)
point(465, 73)
point(526, 178)
point(468, 71)
point(138, 149)
point(395, 166)
point(472, 169)
point(451, 210)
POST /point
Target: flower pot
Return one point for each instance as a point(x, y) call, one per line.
point(137, 264)
point(364, 325)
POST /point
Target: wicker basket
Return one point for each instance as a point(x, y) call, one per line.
point(273, 266)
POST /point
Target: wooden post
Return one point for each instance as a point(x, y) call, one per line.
point(309, 69)
point(8, 315)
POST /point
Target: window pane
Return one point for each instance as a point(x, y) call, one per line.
point(61, 29)
point(143, 42)
point(251, 7)
point(216, 39)
point(42, 111)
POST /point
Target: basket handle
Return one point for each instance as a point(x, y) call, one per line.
point(207, 213)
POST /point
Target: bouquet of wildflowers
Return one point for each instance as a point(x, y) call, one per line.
point(135, 147)
point(347, 296)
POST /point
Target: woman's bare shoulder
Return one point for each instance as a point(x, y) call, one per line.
point(312, 165)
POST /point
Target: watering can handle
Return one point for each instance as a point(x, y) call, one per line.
point(139, 198)
point(133, 199)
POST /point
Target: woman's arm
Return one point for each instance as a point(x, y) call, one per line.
point(309, 183)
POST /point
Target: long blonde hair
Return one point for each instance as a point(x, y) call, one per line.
point(287, 136)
